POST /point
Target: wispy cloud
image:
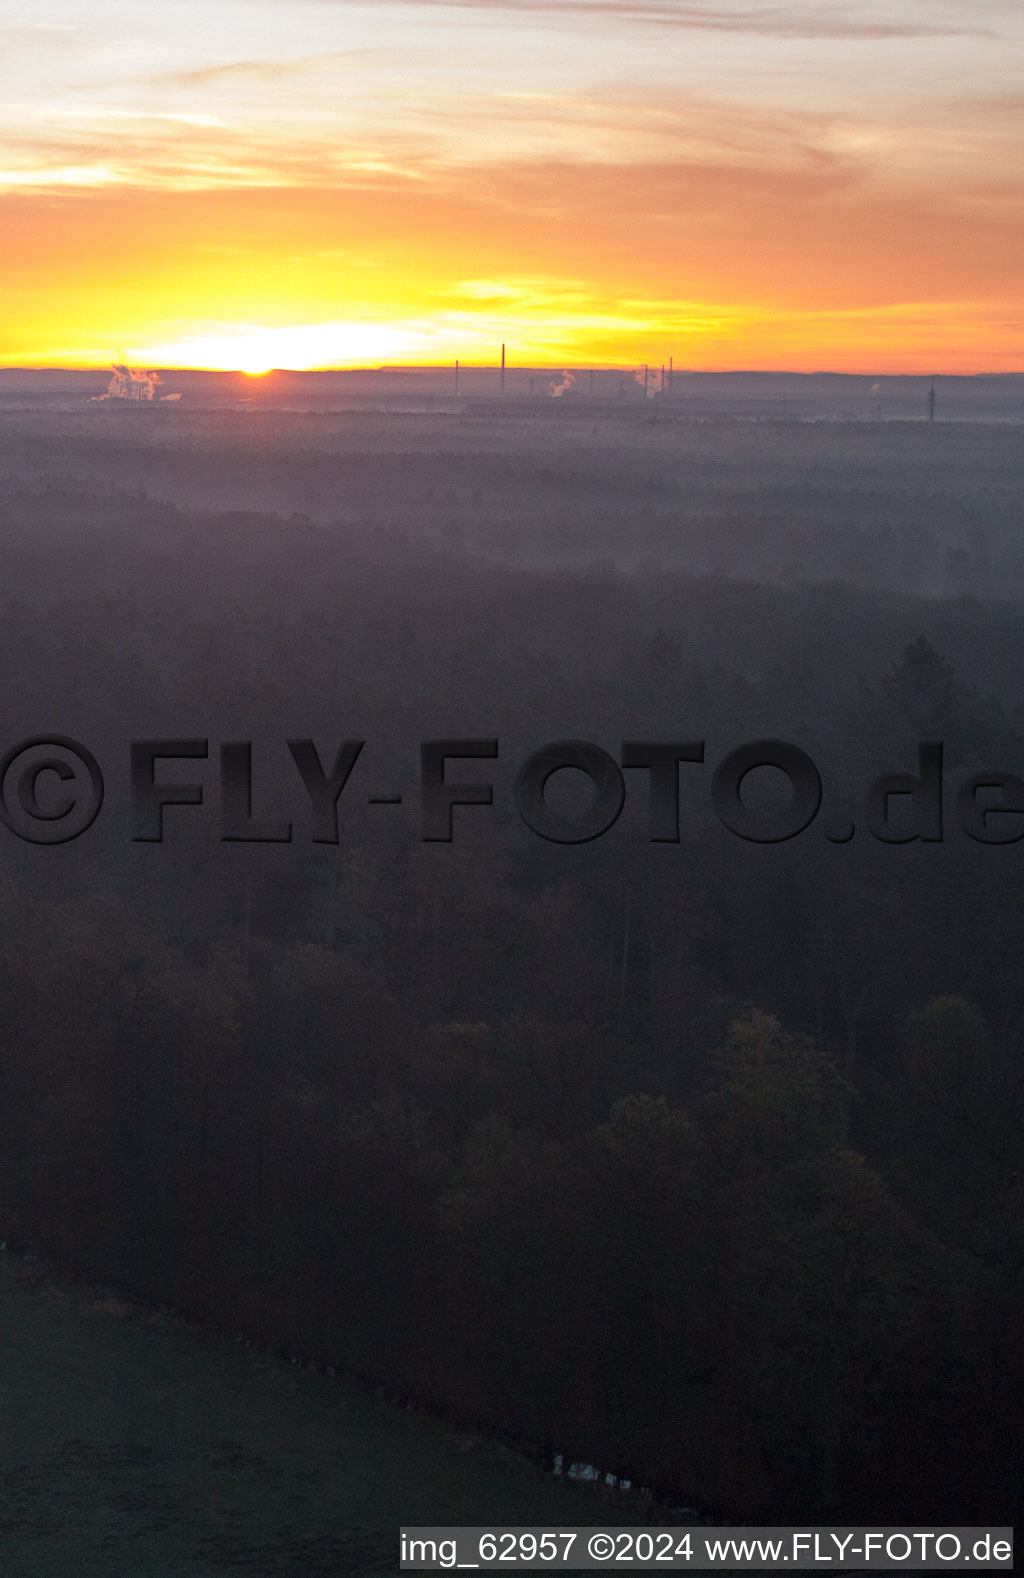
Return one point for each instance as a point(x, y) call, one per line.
point(532, 144)
point(536, 292)
point(786, 21)
point(58, 175)
point(258, 71)
point(190, 153)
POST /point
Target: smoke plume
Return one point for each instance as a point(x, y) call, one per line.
point(131, 383)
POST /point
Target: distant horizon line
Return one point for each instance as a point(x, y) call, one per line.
point(514, 368)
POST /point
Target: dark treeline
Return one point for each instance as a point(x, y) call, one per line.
point(701, 1162)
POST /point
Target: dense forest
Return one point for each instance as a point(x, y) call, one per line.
point(700, 1160)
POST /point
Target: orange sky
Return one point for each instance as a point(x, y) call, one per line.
point(315, 183)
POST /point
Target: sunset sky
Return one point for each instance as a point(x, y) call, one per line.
point(304, 183)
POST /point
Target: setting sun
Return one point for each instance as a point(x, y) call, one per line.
point(301, 348)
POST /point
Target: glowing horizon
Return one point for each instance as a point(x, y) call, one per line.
point(331, 184)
